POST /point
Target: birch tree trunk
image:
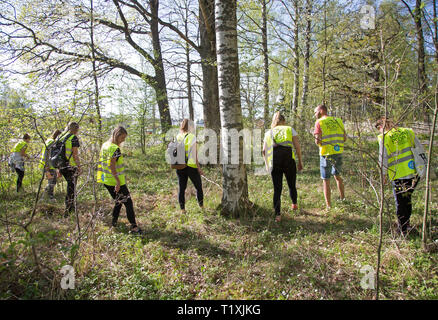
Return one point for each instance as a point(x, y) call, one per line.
point(265, 65)
point(235, 187)
point(296, 61)
point(306, 59)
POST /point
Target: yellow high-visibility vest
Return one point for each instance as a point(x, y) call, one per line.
point(282, 136)
point(189, 146)
point(332, 140)
point(104, 174)
point(19, 146)
point(398, 144)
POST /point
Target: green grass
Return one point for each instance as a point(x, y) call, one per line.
point(311, 254)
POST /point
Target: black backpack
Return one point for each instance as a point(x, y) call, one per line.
point(177, 154)
point(56, 153)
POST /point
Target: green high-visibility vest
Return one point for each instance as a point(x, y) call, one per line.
point(282, 136)
point(44, 155)
point(19, 146)
point(332, 140)
point(398, 144)
point(104, 174)
point(189, 146)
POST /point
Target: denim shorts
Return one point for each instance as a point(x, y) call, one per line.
point(330, 165)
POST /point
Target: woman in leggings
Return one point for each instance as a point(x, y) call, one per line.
point(192, 170)
point(111, 173)
point(280, 160)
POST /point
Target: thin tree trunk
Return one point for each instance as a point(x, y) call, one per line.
point(235, 186)
point(96, 84)
point(296, 60)
point(432, 132)
point(265, 66)
point(306, 60)
point(188, 62)
point(429, 161)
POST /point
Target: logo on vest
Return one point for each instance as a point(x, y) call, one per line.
point(337, 147)
point(411, 164)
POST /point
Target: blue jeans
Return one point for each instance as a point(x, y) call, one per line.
point(330, 165)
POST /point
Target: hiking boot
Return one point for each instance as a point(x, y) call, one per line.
point(294, 206)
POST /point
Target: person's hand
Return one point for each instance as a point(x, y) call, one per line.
point(58, 174)
point(79, 171)
point(201, 172)
point(117, 187)
point(300, 166)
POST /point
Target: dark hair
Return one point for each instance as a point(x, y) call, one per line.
point(26, 136)
point(322, 107)
point(55, 134)
point(72, 126)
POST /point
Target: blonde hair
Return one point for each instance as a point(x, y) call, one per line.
point(277, 120)
point(117, 132)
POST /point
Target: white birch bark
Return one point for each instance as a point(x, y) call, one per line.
point(235, 187)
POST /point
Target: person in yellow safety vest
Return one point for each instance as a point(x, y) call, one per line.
point(73, 170)
point(16, 160)
point(51, 173)
point(193, 170)
point(398, 164)
point(280, 159)
point(111, 173)
point(330, 137)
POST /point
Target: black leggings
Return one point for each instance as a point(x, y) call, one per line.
point(19, 178)
point(195, 177)
point(277, 178)
point(403, 189)
point(70, 175)
point(122, 197)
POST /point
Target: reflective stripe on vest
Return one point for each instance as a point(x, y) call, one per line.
point(43, 154)
point(398, 144)
point(332, 140)
point(189, 146)
point(19, 146)
point(104, 174)
point(282, 136)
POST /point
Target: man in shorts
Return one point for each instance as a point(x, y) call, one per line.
point(330, 137)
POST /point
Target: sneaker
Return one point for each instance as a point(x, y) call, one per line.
point(135, 230)
point(294, 206)
point(278, 218)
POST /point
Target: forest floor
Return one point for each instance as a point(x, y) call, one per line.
point(313, 253)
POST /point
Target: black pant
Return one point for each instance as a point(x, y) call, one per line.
point(403, 189)
point(122, 197)
point(19, 178)
point(195, 177)
point(290, 171)
point(70, 175)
